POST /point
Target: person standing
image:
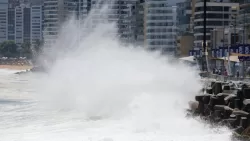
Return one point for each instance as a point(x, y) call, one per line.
point(237, 74)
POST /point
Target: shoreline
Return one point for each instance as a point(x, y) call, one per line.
point(16, 67)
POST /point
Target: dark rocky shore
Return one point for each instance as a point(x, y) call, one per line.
point(34, 69)
point(224, 103)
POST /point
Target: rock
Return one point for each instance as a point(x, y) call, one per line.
point(193, 105)
point(246, 93)
point(225, 103)
point(246, 132)
point(226, 87)
point(217, 88)
point(244, 122)
point(240, 112)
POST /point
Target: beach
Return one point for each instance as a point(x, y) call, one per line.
point(16, 67)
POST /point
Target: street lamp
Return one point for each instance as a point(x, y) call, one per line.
point(204, 32)
point(206, 55)
point(234, 16)
point(244, 21)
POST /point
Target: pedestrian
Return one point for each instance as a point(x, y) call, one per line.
point(225, 73)
point(237, 73)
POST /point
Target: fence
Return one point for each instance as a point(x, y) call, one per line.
point(224, 78)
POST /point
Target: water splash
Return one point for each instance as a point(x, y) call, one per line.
point(99, 90)
point(102, 76)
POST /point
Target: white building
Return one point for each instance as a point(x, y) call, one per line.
point(117, 11)
point(3, 20)
point(56, 13)
point(36, 23)
point(219, 15)
point(160, 26)
point(52, 19)
point(19, 16)
point(22, 24)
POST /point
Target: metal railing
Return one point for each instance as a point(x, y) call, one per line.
point(225, 78)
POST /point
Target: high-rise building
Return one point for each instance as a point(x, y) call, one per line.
point(53, 17)
point(118, 11)
point(160, 26)
point(26, 24)
point(136, 24)
point(183, 16)
point(244, 20)
point(36, 2)
point(19, 18)
point(22, 24)
point(185, 37)
point(36, 26)
point(11, 24)
point(13, 3)
point(56, 12)
point(219, 15)
point(11, 18)
point(3, 20)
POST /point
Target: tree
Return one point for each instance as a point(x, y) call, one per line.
point(38, 46)
point(26, 49)
point(8, 48)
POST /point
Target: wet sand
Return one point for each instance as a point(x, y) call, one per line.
point(15, 67)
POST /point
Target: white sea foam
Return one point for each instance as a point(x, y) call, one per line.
point(99, 90)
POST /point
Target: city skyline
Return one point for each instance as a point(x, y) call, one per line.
point(154, 24)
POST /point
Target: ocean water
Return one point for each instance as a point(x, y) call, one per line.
point(103, 92)
point(127, 100)
point(138, 97)
point(99, 90)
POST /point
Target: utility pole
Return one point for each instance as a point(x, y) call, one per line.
point(244, 21)
point(204, 53)
point(228, 56)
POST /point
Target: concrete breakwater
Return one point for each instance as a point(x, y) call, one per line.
point(224, 103)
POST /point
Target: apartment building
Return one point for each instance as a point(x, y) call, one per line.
point(3, 20)
point(117, 11)
point(160, 26)
point(136, 24)
point(185, 37)
point(19, 18)
point(184, 12)
point(56, 12)
point(36, 23)
point(220, 14)
point(244, 19)
point(22, 24)
point(11, 24)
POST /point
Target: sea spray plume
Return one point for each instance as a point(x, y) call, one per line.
point(100, 77)
point(145, 93)
point(57, 50)
point(104, 78)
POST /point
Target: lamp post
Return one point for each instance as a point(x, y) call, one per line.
point(205, 53)
point(244, 20)
point(228, 53)
point(243, 41)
